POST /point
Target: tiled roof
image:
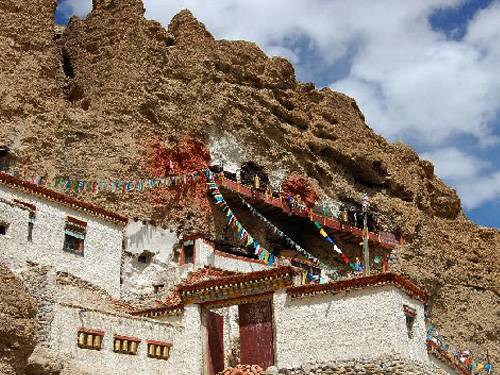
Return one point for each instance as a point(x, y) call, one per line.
point(172, 304)
point(395, 279)
point(54, 196)
point(236, 287)
point(209, 278)
point(237, 279)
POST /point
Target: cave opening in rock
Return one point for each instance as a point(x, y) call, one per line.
point(67, 65)
point(250, 170)
point(5, 158)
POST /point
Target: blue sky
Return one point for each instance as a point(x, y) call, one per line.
point(423, 72)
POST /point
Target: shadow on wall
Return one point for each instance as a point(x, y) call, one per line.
point(143, 237)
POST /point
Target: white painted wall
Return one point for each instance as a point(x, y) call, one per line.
point(206, 256)
point(16, 219)
point(139, 278)
point(185, 354)
point(144, 236)
point(103, 241)
point(360, 324)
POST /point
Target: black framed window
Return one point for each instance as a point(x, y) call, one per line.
point(4, 158)
point(189, 252)
point(410, 315)
point(74, 239)
point(31, 225)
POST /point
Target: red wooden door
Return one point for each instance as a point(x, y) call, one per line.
point(256, 334)
point(215, 335)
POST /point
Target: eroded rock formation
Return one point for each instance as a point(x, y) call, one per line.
point(92, 103)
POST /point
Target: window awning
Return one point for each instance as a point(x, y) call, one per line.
point(72, 233)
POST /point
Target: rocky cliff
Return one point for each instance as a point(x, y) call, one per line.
point(98, 102)
point(17, 324)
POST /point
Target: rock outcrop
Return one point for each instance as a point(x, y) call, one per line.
point(94, 103)
point(17, 324)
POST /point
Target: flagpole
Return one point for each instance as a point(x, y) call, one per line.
point(366, 249)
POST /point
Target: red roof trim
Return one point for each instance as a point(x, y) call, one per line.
point(77, 222)
point(446, 357)
point(362, 282)
point(160, 343)
point(237, 279)
point(32, 207)
point(88, 331)
point(192, 237)
point(128, 338)
point(60, 198)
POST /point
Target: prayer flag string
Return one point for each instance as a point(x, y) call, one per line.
point(335, 246)
point(234, 223)
point(129, 185)
point(280, 233)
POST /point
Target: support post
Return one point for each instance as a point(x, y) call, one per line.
point(366, 249)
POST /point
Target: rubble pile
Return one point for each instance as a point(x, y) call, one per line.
point(242, 370)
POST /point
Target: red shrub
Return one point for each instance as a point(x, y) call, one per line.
point(296, 184)
point(186, 156)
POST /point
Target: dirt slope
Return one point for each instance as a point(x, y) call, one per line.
point(17, 324)
point(94, 103)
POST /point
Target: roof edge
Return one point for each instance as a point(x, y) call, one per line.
point(392, 278)
point(66, 200)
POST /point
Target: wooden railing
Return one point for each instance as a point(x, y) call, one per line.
point(387, 240)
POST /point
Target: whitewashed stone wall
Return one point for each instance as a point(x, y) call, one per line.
point(103, 241)
point(143, 236)
point(15, 218)
point(386, 365)
point(139, 278)
point(360, 324)
point(185, 355)
point(206, 256)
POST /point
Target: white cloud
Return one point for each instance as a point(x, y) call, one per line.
point(478, 191)
point(453, 164)
point(411, 81)
point(75, 7)
point(471, 176)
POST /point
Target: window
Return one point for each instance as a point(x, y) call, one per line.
point(159, 349)
point(3, 229)
point(74, 236)
point(189, 252)
point(145, 257)
point(4, 158)
point(176, 255)
point(90, 339)
point(126, 345)
point(31, 225)
point(410, 315)
point(158, 288)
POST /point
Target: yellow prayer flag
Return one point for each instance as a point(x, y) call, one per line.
point(323, 233)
